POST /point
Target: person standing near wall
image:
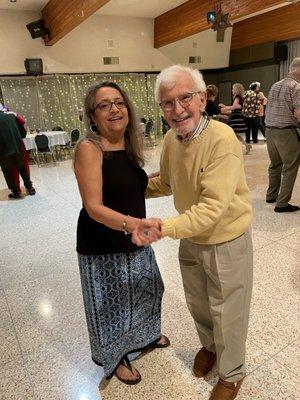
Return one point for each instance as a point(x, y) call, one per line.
point(283, 142)
point(251, 106)
point(261, 112)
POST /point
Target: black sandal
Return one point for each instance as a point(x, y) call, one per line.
point(125, 361)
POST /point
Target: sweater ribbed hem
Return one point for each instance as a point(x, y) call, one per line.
point(168, 228)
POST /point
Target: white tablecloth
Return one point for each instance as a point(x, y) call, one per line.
point(55, 138)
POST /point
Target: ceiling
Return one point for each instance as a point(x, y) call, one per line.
point(124, 8)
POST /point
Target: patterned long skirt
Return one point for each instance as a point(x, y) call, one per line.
point(122, 296)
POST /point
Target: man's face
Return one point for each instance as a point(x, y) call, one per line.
point(183, 118)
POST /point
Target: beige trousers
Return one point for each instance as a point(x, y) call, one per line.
point(284, 152)
point(217, 281)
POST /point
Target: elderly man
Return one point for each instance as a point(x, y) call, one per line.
point(283, 140)
point(202, 166)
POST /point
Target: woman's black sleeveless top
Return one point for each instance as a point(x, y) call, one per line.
point(124, 186)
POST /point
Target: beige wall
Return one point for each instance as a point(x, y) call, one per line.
point(213, 54)
point(83, 48)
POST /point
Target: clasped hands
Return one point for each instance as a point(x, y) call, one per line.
point(147, 231)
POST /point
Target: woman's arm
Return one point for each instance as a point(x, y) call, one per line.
point(88, 171)
point(235, 106)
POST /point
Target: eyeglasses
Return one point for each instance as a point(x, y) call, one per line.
point(107, 105)
point(184, 100)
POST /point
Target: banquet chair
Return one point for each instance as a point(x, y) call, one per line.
point(43, 148)
point(75, 134)
point(74, 137)
point(150, 139)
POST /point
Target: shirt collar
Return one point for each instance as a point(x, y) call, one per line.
point(204, 119)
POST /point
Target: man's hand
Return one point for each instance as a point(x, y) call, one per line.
point(147, 232)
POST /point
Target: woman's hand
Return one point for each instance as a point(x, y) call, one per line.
point(147, 231)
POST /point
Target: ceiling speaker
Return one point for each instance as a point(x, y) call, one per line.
point(37, 29)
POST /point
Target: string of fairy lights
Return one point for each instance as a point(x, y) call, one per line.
point(48, 101)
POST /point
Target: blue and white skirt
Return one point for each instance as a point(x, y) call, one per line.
point(122, 296)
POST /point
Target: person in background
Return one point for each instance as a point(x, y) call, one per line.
point(11, 155)
point(211, 107)
point(283, 142)
point(21, 122)
point(121, 283)
point(250, 110)
point(165, 125)
point(261, 113)
point(202, 166)
point(237, 121)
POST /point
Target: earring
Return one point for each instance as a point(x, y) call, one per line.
point(94, 128)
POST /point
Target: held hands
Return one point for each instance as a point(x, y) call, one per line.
point(147, 231)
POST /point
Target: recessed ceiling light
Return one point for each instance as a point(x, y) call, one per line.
point(13, 1)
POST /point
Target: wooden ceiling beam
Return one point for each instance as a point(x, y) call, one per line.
point(190, 18)
point(62, 16)
point(276, 25)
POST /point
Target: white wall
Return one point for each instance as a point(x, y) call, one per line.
point(213, 54)
point(83, 48)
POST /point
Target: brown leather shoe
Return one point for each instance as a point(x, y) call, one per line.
point(204, 362)
point(224, 390)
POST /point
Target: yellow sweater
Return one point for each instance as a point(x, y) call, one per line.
point(207, 179)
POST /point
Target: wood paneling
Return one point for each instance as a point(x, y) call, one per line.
point(280, 24)
point(190, 18)
point(62, 16)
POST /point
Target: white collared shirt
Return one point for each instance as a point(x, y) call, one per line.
point(204, 120)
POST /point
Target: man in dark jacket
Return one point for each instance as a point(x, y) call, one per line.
point(11, 155)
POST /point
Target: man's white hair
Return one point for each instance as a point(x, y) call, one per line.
point(295, 64)
point(169, 76)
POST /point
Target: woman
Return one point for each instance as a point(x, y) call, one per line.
point(121, 284)
point(211, 108)
point(237, 121)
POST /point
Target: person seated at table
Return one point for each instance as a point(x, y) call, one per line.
point(11, 155)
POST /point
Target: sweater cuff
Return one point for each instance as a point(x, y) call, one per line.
point(168, 228)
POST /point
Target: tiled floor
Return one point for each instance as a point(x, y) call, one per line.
point(44, 350)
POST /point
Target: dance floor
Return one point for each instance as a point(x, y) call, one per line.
point(44, 348)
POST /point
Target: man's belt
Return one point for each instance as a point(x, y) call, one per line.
point(285, 127)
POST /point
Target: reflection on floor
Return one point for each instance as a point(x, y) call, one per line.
point(44, 349)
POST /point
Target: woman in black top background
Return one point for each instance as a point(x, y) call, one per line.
point(211, 107)
point(121, 284)
point(237, 121)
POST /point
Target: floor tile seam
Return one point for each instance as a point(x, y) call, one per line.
point(272, 242)
point(22, 282)
point(63, 198)
point(291, 248)
point(267, 361)
point(288, 234)
point(40, 236)
point(279, 351)
point(181, 368)
point(15, 331)
point(47, 345)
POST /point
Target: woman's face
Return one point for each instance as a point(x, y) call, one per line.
point(110, 112)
